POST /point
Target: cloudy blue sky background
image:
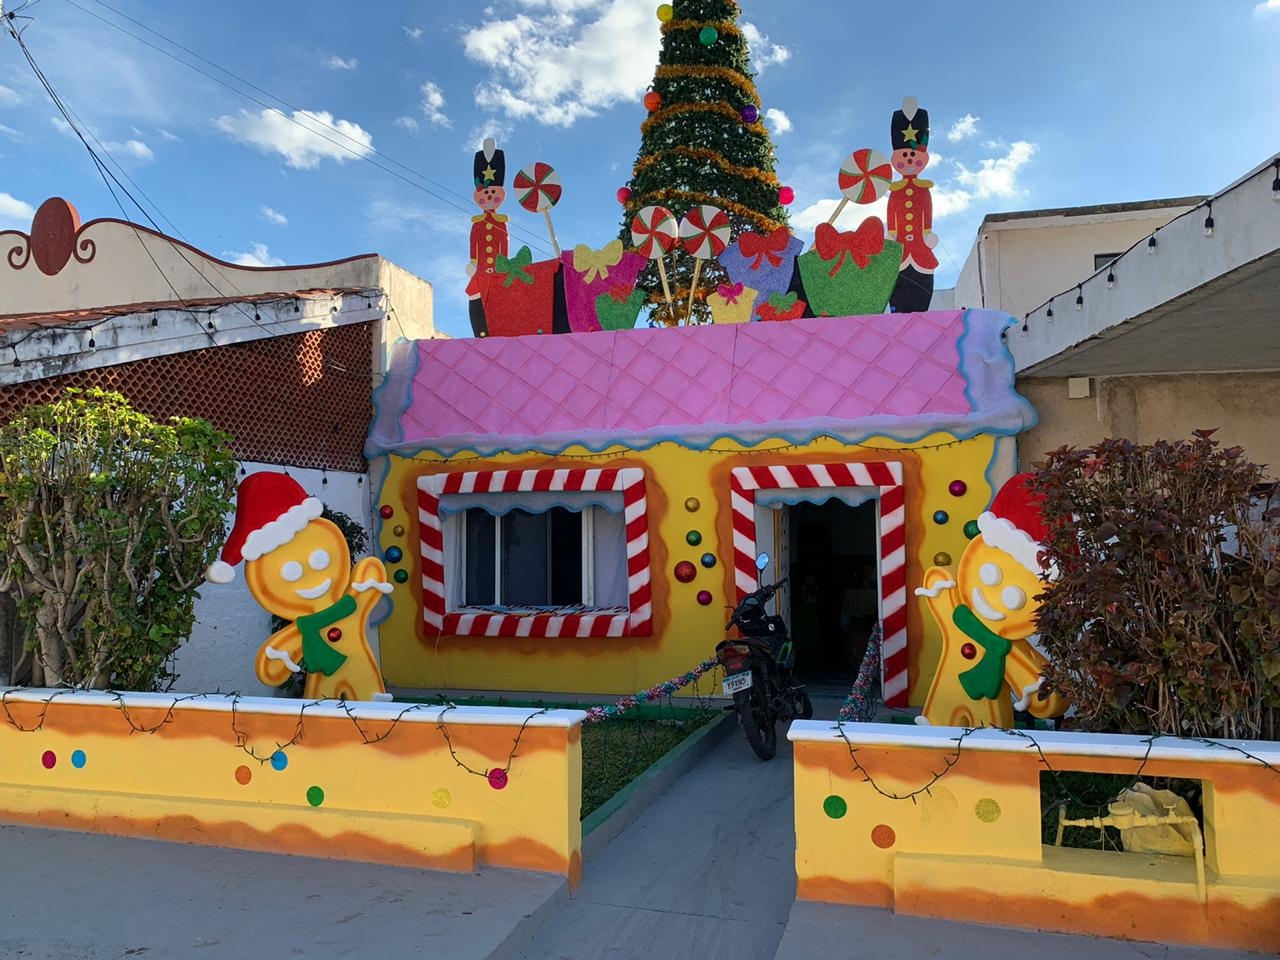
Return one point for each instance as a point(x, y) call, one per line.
point(1032, 105)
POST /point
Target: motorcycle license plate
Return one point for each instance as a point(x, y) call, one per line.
point(737, 683)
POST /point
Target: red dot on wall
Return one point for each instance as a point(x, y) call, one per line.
point(705, 598)
point(497, 778)
point(49, 759)
point(386, 511)
point(685, 571)
point(883, 836)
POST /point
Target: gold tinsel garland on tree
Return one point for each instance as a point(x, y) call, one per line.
point(666, 113)
point(702, 153)
point(710, 73)
point(694, 198)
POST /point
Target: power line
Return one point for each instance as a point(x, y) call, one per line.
point(365, 152)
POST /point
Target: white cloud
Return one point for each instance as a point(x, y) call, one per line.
point(14, 213)
point(274, 217)
point(850, 218)
point(778, 120)
point(131, 148)
point(489, 127)
point(171, 137)
point(408, 123)
point(259, 256)
point(11, 133)
point(997, 176)
point(764, 53)
point(337, 63)
point(413, 33)
point(963, 128)
point(385, 216)
point(565, 59)
point(303, 138)
point(9, 97)
point(947, 201)
point(61, 125)
point(433, 105)
point(1266, 7)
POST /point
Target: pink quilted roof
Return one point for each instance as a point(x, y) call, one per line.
point(889, 374)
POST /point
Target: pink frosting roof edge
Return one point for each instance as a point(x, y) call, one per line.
point(895, 375)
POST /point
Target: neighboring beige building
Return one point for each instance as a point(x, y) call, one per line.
point(1163, 339)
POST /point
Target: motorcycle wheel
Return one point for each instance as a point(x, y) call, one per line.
point(758, 721)
point(806, 708)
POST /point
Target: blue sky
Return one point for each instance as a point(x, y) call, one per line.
point(1067, 103)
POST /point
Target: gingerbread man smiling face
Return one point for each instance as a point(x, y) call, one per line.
point(298, 566)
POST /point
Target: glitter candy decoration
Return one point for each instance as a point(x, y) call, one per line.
point(334, 634)
point(705, 598)
point(957, 488)
point(394, 554)
point(705, 232)
point(386, 511)
point(398, 530)
point(693, 538)
point(942, 559)
point(654, 232)
point(987, 810)
point(864, 176)
point(708, 560)
point(497, 778)
point(537, 187)
point(941, 517)
point(971, 529)
point(441, 798)
point(692, 505)
point(401, 576)
point(685, 571)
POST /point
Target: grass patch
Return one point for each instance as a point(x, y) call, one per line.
point(615, 752)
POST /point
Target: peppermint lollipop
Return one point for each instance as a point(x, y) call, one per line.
point(705, 232)
point(654, 232)
point(864, 178)
point(538, 189)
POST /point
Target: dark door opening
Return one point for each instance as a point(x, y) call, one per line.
point(834, 587)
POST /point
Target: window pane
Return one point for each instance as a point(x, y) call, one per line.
point(565, 556)
point(480, 547)
point(525, 552)
point(1100, 260)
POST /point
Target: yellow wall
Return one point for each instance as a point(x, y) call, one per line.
point(402, 800)
point(685, 632)
point(969, 848)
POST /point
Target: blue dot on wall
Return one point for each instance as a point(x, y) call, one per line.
point(78, 759)
point(941, 517)
point(708, 560)
point(279, 760)
point(394, 554)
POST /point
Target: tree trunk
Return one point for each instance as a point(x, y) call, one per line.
point(50, 641)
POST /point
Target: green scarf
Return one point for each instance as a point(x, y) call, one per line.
point(317, 654)
point(985, 680)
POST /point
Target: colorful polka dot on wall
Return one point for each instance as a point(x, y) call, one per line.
point(386, 511)
point(971, 529)
point(987, 810)
point(883, 836)
point(941, 516)
point(49, 759)
point(394, 554)
point(685, 571)
point(942, 559)
point(692, 504)
point(705, 597)
point(497, 778)
point(243, 775)
point(693, 538)
point(835, 807)
point(398, 530)
point(315, 796)
point(401, 576)
point(441, 798)
point(958, 488)
point(279, 760)
point(78, 759)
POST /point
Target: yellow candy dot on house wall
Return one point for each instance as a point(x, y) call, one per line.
point(942, 559)
point(441, 798)
point(987, 810)
point(693, 504)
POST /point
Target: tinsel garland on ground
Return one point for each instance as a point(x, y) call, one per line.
point(654, 693)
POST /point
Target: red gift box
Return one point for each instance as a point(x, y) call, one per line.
point(519, 295)
point(781, 306)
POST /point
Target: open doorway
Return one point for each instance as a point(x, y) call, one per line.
point(833, 551)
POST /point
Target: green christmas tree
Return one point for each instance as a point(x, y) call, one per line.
point(703, 143)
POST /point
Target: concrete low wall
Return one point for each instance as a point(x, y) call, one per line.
point(394, 783)
point(969, 848)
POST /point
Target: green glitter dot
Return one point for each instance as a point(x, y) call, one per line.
point(315, 796)
point(401, 576)
point(835, 807)
point(971, 529)
point(987, 810)
point(693, 538)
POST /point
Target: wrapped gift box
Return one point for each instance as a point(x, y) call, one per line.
point(850, 273)
point(764, 263)
point(590, 274)
point(519, 296)
point(732, 303)
point(618, 309)
point(781, 306)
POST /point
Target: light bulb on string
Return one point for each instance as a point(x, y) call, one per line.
point(1111, 278)
point(1079, 297)
point(1024, 326)
point(1275, 183)
point(1048, 314)
point(1208, 221)
point(1151, 245)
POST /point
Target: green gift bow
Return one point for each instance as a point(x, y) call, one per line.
point(516, 268)
point(783, 301)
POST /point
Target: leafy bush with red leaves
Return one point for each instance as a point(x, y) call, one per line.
point(1165, 615)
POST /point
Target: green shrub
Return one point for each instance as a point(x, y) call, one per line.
point(107, 522)
point(1165, 617)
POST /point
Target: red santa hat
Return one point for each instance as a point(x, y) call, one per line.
point(1015, 525)
point(271, 509)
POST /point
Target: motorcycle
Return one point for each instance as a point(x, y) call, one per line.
point(758, 669)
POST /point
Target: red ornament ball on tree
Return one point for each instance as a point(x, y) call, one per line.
point(786, 196)
point(653, 101)
point(624, 194)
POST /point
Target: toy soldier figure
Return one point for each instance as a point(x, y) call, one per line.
point(489, 229)
point(910, 213)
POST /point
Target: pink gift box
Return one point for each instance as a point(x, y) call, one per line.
point(580, 296)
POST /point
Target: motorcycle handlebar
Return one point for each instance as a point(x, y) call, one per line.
point(768, 592)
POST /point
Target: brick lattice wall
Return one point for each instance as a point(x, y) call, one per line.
point(302, 400)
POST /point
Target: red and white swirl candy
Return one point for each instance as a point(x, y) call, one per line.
point(865, 175)
point(705, 232)
point(654, 231)
point(538, 187)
